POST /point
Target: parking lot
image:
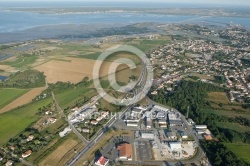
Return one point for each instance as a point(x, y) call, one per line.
point(143, 150)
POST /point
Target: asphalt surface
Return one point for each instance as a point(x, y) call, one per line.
point(79, 135)
point(100, 133)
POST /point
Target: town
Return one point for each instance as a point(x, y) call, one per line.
point(150, 131)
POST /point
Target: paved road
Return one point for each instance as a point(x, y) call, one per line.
point(189, 130)
point(79, 135)
point(99, 134)
point(137, 94)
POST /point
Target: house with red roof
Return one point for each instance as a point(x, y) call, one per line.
point(102, 161)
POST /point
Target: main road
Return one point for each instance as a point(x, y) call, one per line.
point(98, 136)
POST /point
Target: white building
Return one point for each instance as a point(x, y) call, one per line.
point(147, 135)
point(184, 135)
point(102, 161)
point(65, 131)
point(149, 123)
point(200, 126)
point(175, 145)
point(132, 124)
point(159, 108)
point(190, 121)
point(174, 116)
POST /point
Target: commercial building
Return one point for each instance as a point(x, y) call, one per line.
point(170, 135)
point(174, 116)
point(147, 135)
point(131, 119)
point(136, 112)
point(175, 119)
point(174, 145)
point(162, 122)
point(125, 151)
point(175, 123)
point(132, 124)
point(161, 115)
point(149, 123)
point(159, 108)
point(184, 135)
point(200, 126)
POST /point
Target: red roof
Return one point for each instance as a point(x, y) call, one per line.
point(125, 150)
point(102, 160)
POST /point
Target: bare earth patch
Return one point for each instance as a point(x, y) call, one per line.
point(74, 70)
point(54, 158)
point(7, 68)
point(24, 99)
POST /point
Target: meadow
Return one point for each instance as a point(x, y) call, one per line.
point(241, 150)
point(15, 121)
point(9, 95)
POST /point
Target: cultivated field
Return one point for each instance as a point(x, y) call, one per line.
point(202, 76)
point(15, 121)
point(219, 97)
point(233, 126)
point(24, 99)
point(7, 68)
point(57, 155)
point(73, 71)
point(241, 150)
point(9, 95)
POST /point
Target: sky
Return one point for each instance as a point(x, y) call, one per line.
point(216, 2)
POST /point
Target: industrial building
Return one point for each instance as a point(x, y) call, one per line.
point(183, 135)
point(131, 119)
point(159, 108)
point(161, 115)
point(149, 123)
point(132, 124)
point(125, 151)
point(174, 145)
point(170, 135)
point(147, 135)
point(174, 116)
point(200, 126)
point(136, 112)
point(162, 123)
point(175, 123)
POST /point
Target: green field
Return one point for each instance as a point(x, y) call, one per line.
point(233, 126)
point(227, 113)
point(21, 61)
point(14, 122)
point(9, 95)
point(69, 96)
point(241, 150)
point(92, 56)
